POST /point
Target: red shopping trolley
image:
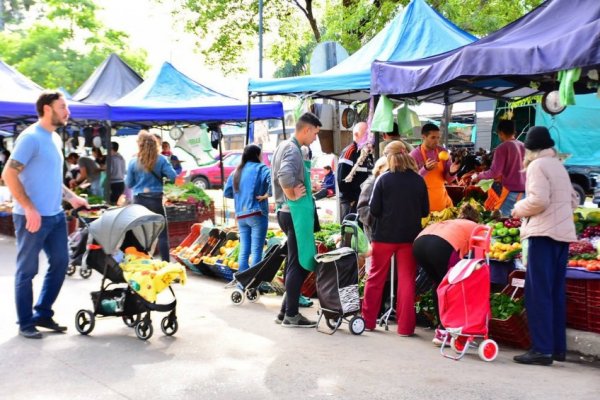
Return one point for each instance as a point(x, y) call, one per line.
point(464, 300)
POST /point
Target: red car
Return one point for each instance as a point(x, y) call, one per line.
point(209, 176)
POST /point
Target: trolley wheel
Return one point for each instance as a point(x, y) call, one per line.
point(237, 297)
point(332, 323)
point(457, 345)
point(356, 325)
point(252, 295)
point(71, 269)
point(131, 320)
point(85, 321)
point(144, 329)
point(85, 272)
point(488, 350)
point(169, 325)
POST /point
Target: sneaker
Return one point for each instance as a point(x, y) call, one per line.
point(49, 323)
point(304, 302)
point(279, 319)
point(298, 321)
point(30, 333)
point(440, 335)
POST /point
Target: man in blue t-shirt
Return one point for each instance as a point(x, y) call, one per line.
point(34, 177)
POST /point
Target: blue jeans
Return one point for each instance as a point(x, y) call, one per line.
point(52, 238)
point(253, 231)
point(509, 203)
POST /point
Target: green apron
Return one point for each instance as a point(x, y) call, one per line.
point(303, 217)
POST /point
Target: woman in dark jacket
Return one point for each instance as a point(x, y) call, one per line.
point(250, 187)
point(145, 174)
point(398, 203)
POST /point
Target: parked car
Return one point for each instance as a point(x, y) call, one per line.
point(209, 176)
point(584, 180)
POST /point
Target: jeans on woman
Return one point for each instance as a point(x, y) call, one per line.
point(52, 239)
point(253, 231)
point(154, 203)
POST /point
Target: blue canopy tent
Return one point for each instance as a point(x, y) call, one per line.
point(18, 95)
point(521, 59)
point(110, 81)
point(169, 97)
point(419, 31)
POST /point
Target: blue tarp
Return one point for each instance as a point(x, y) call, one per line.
point(18, 95)
point(558, 35)
point(169, 95)
point(417, 32)
point(109, 82)
point(575, 130)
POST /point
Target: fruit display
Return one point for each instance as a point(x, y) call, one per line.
point(197, 250)
point(506, 239)
point(438, 216)
point(583, 255)
point(227, 255)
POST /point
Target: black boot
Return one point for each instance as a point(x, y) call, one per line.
point(533, 357)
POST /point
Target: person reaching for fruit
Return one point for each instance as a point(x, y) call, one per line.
point(439, 247)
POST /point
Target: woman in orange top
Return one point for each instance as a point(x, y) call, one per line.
point(439, 247)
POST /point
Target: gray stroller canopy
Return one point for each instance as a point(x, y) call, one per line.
point(109, 230)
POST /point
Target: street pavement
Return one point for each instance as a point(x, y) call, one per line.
point(222, 351)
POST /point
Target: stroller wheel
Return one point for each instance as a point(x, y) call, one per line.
point(84, 321)
point(356, 325)
point(252, 295)
point(85, 272)
point(333, 324)
point(169, 325)
point(144, 329)
point(457, 345)
point(71, 269)
point(131, 320)
point(488, 350)
point(237, 297)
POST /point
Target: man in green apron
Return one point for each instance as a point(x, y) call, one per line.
point(295, 214)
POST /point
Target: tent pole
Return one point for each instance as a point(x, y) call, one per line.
point(445, 122)
point(248, 121)
point(108, 163)
point(283, 125)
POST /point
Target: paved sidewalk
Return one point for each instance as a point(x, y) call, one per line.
point(224, 351)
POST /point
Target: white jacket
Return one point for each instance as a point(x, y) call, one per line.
point(549, 200)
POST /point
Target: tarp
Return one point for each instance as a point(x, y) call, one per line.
point(18, 95)
point(417, 32)
point(169, 96)
point(575, 130)
point(110, 81)
point(558, 35)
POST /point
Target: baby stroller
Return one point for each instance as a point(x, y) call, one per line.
point(78, 241)
point(464, 300)
point(117, 229)
point(337, 283)
point(248, 281)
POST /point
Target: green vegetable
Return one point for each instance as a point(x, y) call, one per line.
point(185, 193)
point(424, 304)
point(503, 307)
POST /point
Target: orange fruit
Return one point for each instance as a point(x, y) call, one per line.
point(443, 156)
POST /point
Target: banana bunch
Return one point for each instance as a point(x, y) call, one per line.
point(438, 216)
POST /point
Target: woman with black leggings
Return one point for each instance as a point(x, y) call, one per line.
point(439, 247)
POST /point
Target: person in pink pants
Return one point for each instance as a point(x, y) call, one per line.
point(398, 203)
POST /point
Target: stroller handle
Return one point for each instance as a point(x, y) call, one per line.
point(75, 212)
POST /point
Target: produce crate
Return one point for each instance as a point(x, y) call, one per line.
point(178, 212)
point(577, 307)
point(593, 303)
point(179, 230)
point(512, 331)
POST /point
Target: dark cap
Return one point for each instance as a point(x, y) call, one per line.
point(538, 138)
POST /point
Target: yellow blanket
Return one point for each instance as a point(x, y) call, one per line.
point(149, 277)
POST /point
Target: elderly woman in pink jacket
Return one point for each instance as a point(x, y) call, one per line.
point(547, 213)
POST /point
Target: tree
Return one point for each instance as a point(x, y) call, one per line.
point(65, 45)
point(228, 29)
point(12, 11)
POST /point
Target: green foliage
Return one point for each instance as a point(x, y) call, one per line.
point(64, 47)
point(228, 29)
point(503, 307)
